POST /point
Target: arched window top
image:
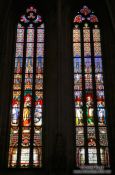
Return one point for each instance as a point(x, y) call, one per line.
point(85, 15)
point(31, 16)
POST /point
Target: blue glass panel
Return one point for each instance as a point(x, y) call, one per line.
point(98, 65)
point(88, 68)
point(77, 65)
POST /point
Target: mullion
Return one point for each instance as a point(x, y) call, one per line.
point(22, 101)
point(95, 97)
point(33, 101)
point(84, 98)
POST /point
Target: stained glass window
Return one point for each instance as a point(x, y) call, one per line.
point(89, 95)
point(25, 145)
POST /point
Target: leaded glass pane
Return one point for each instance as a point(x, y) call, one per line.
point(40, 35)
point(77, 65)
point(30, 50)
point(99, 78)
point(37, 137)
point(19, 49)
point(98, 65)
point(103, 136)
point(40, 50)
point(12, 157)
point(89, 99)
point(17, 81)
point(29, 65)
point(76, 49)
point(104, 154)
point(39, 82)
point(16, 98)
point(20, 35)
point(76, 35)
point(96, 35)
point(90, 116)
point(80, 136)
point(101, 116)
point(15, 116)
point(25, 154)
point(30, 35)
point(39, 65)
point(92, 155)
point(88, 66)
point(79, 116)
point(80, 156)
point(78, 98)
point(25, 136)
point(26, 116)
point(77, 81)
point(88, 81)
point(87, 49)
point(18, 65)
point(37, 157)
point(100, 99)
point(97, 49)
point(27, 98)
point(28, 82)
point(14, 136)
point(91, 136)
point(38, 117)
point(86, 34)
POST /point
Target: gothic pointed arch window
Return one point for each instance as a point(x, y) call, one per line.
point(25, 143)
point(89, 95)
